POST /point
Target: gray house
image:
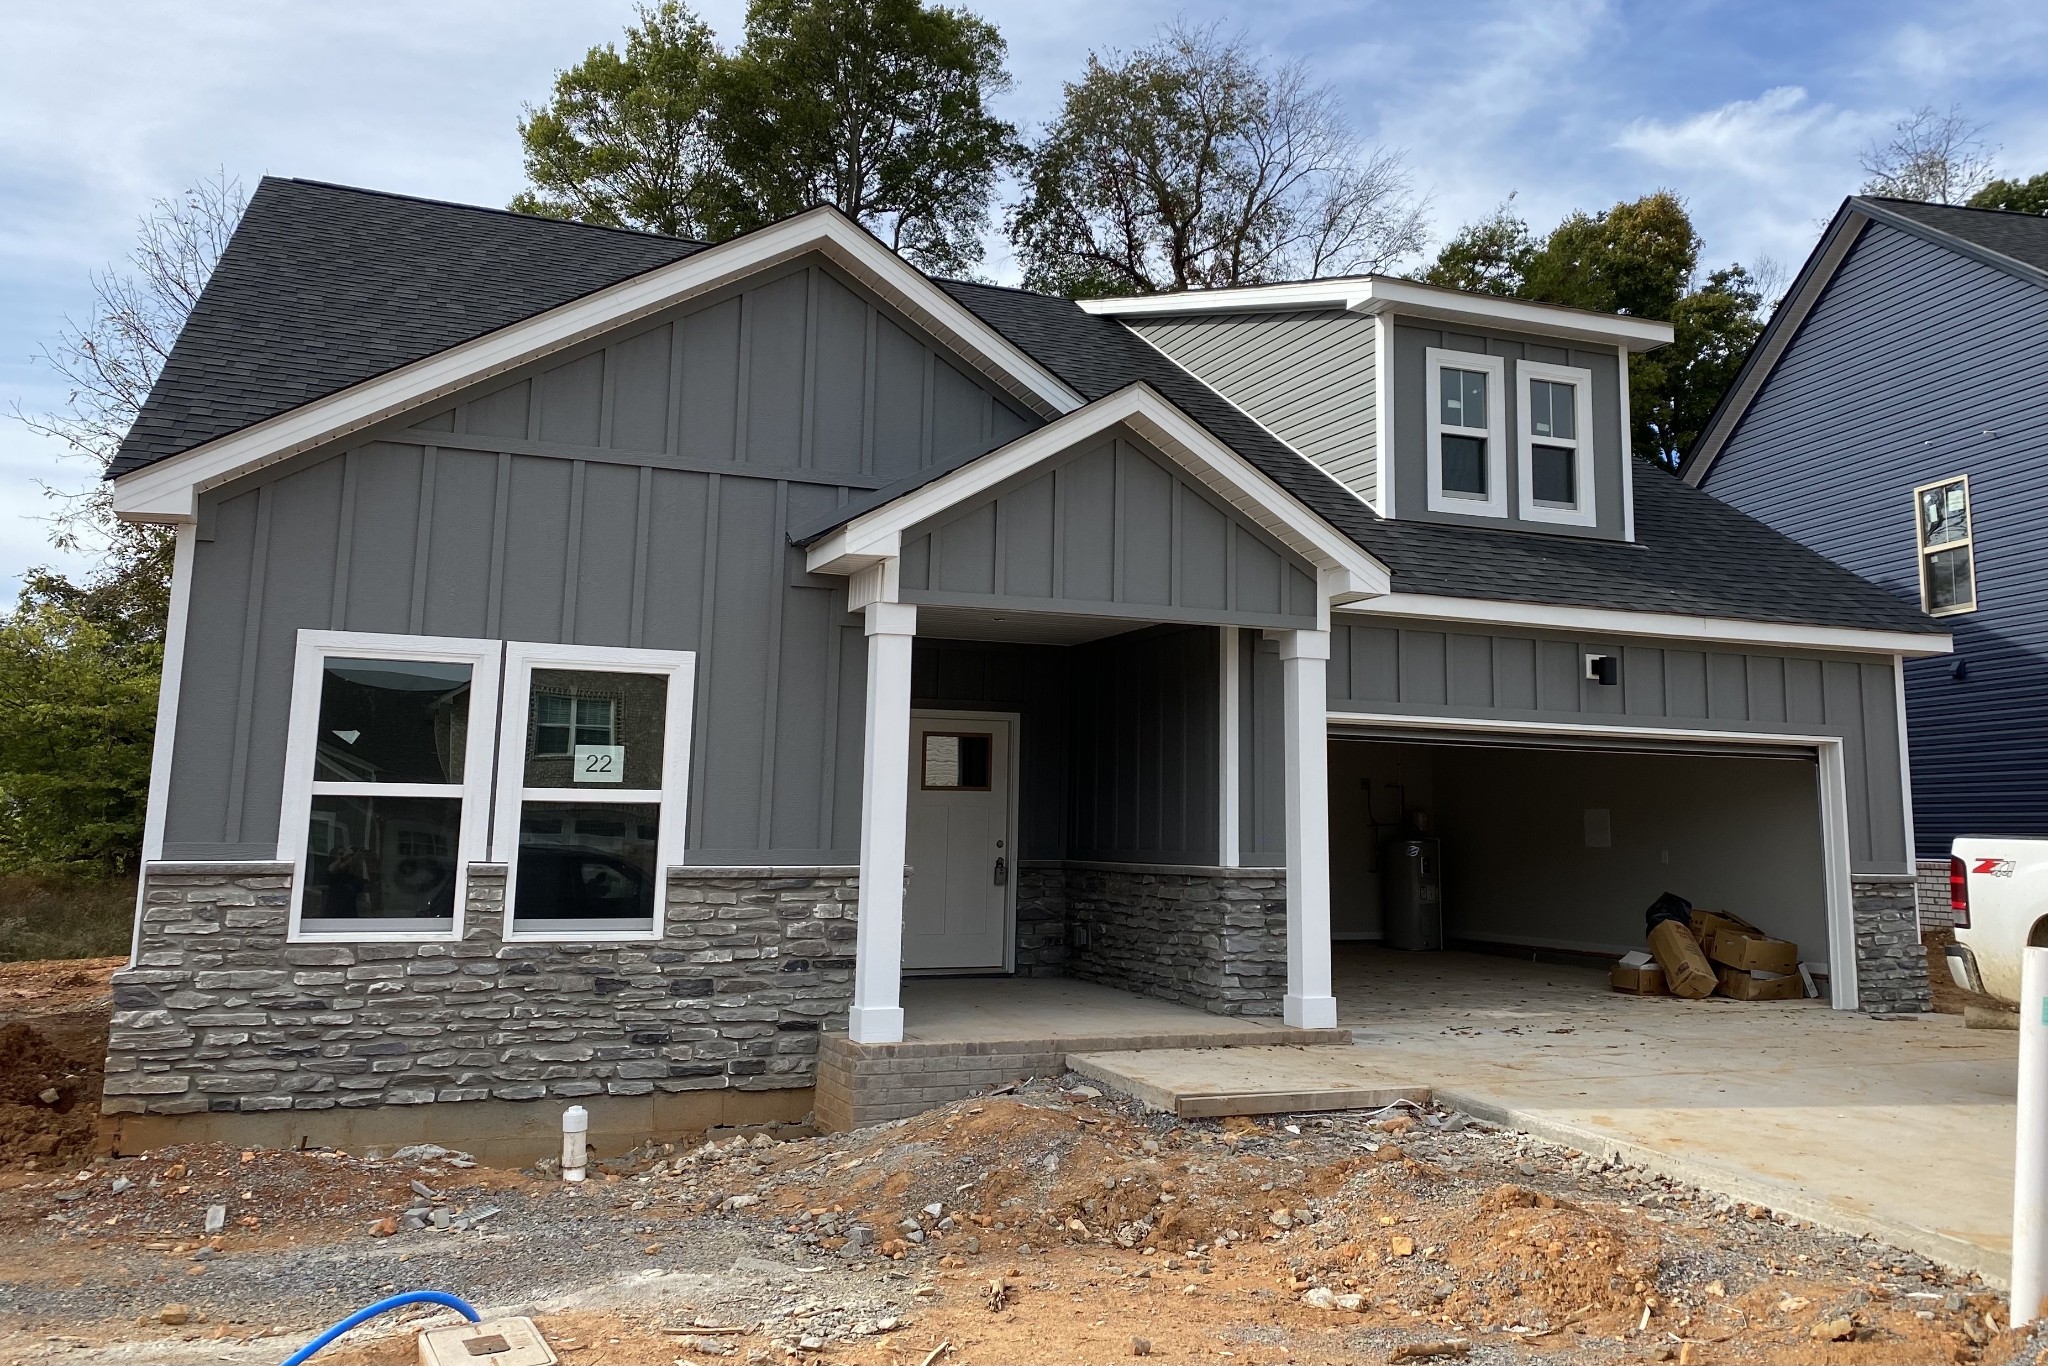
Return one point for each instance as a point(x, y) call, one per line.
point(610, 667)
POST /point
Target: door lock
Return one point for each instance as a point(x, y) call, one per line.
point(1002, 871)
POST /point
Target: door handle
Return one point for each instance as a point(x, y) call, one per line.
point(1002, 871)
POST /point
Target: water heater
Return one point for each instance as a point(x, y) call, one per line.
point(1411, 893)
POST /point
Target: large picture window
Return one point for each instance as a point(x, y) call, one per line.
point(1554, 443)
point(387, 782)
point(1467, 420)
point(594, 761)
point(1948, 570)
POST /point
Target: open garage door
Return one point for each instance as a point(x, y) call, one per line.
point(1559, 843)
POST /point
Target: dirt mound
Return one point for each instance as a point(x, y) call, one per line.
point(49, 1093)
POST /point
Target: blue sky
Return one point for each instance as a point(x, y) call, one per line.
point(1756, 113)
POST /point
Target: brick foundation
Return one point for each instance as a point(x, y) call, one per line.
point(221, 1013)
point(1891, 966)
point(1930, 885)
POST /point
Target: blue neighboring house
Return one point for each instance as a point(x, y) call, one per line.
point(1894, 417)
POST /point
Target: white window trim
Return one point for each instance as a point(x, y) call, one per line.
point(1585, 512)
point(521, 658)
point(315, 648)
point(1968, 545)
point(1495, 503)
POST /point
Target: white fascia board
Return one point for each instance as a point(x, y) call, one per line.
point(1656, 625)
point(1373, 294)
point(1347, 570)
point(167, 491)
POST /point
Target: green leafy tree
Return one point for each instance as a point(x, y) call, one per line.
point(880, 107)
point(626, 140)
point(1640, 258)
point(2015, 196)
point(78, 692)
point(1191, 164)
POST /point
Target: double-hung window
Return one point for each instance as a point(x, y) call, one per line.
point(387, 782)
point(1467, 423)
point(1948, 572)
point(593, 763)
point(1554, 445)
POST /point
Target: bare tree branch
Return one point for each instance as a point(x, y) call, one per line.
point(1936, 157)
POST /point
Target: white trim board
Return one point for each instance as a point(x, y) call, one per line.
point(1830, 779)
point(1432, 609)
point(1343, 568)
point(167, 490)
point(163, 746)
point(1410, 298)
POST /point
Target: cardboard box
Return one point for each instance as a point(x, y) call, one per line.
point(1686, 970)
point(1645, 979)
point(1753, 952)
point(1707, 924)
point(1760, 986)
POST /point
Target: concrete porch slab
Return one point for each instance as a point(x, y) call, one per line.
point(1207, 1083)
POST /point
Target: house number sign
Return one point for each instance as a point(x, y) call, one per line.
point(600, 763)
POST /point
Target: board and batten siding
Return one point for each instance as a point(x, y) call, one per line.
point(635, 492)
point(1410, 407)
point(1918, 364)
point(1114, 530)
point(1308, 377)
point(1389, 668)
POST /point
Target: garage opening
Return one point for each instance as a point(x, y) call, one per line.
point(1557, 849)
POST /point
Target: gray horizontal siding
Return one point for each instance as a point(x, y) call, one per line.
point(1396, 669)
point(1114, 530)
point(1308, 377)
point(637, 493)
point(1412, 340)
point(1918, 364)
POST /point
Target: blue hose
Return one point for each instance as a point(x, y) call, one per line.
point(380, 1307)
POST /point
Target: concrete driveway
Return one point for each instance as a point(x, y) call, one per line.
point(1902, 1130)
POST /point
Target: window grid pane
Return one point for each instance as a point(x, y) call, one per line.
point(1553, 474)
point(1464, 465)
point(1552, 411)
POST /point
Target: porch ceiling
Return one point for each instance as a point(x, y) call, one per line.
point(1019, 627)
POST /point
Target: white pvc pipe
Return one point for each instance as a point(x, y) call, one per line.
point(2030, 1161)
point(575, 1142)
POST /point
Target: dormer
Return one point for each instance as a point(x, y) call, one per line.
point(1430, 404)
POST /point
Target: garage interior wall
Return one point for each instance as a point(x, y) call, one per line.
point(1522, 829)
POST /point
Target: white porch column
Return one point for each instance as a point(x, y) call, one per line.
point(877, 1015)
point(1305, 733)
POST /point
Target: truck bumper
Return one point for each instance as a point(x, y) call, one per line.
point(1962, 967)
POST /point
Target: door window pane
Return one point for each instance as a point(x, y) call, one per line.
point(383, 858)
point(1464, 397)
point(596, 726)
point(1552, 412)
point(1464, 465)
point(960, 762)
point(590, 865)
point(1553, 474)
point(392, 721)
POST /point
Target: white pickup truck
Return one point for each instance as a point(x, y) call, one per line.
point(1998, 889)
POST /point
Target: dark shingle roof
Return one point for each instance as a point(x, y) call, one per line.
point(2021, 237)
point(323, 287)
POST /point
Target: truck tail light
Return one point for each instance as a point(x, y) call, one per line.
point(1959, 893)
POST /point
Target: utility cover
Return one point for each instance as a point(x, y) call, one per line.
point(494, 1342)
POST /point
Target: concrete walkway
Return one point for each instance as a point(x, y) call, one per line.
point(1902, 1130)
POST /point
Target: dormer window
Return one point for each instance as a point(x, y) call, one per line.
point(1467, 459)
point(1554, 454)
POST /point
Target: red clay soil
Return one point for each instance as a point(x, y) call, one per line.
point(53, 1050)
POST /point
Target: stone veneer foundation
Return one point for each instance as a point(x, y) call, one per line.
point(1212, 938)
point(221, 1014)
point(1891, 965)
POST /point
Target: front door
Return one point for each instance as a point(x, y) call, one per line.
point(956, 905)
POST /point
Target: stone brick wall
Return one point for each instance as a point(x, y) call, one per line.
point(1891, 966)
point(1214, 938)
point(1041, 919)
point(1930, 883)
point(220, 1013)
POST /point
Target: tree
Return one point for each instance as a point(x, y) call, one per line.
point(1190, 164)
point(877, 106)
point(626, 141)
point(2016, 196)
point(1936, 157)
point(1640, 258)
